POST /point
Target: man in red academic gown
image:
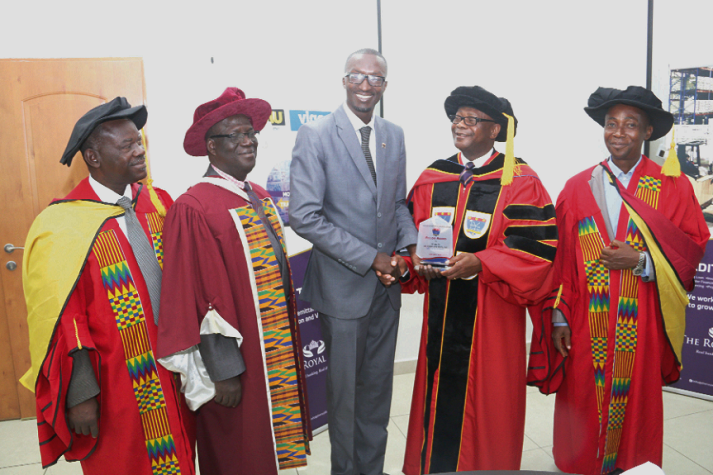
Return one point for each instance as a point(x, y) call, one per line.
point(468, 408)
point(228, 322)
point(92, 279)
point(631, 236)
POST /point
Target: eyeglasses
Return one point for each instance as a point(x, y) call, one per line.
point(358, 78)
point(471, 121)
point(237, 138)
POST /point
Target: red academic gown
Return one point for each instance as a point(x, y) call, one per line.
point(676, 220)
point(206, 268)
point(468, 406)
point(88, 321)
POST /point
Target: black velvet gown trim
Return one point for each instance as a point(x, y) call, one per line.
point(452, 308)
point(541, 250)
point(546, 232)
point(529, 212)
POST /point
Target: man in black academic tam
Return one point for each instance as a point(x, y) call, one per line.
point(632, 235)
point(485, 101)
point(643, 99)
point(504, 241)
point(117, 108)
point(92, 280)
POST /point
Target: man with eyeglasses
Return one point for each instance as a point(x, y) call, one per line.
point(468, 406)
point(348, 192)
point(228, 322)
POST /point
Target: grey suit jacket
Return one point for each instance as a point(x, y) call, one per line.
point(335, 205)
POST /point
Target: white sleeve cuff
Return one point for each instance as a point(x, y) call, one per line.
point(195, 381)
point(649, 272)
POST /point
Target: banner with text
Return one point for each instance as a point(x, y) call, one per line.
point(697, 374)
point(313, 347)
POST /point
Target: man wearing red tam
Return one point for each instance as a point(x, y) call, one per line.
point(631, 236)
point(228, 322)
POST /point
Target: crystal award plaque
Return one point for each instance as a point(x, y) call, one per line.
point(435, 242)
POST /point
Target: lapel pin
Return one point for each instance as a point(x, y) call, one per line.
point(383, 145)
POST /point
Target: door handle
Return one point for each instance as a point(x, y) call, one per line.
point(9, 248)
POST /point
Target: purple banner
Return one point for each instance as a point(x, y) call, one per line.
point(278, 185)
point(697, 374)
point(313, 348)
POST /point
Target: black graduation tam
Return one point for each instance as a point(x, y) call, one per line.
point(118, 108)
point(604, 98)
point(478, 98)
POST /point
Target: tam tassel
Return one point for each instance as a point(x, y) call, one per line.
point(672, 167)
point(509, 165)
point(149, 182)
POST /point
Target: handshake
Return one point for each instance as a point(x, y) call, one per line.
point(390, 268)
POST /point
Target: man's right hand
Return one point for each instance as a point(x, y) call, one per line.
point(228, 392)
point(83, 418)
point(560, 333)
point(384, 269)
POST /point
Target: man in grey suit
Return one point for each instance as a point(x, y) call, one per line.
point(348, 190)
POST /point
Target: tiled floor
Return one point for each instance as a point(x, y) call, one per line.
point(688, 438)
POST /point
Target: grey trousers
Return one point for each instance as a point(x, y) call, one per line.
point(359, 385)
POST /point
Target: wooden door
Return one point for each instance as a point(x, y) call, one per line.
point(40, 101)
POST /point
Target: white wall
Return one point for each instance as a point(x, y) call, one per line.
point(546, 57)
point(290, 53)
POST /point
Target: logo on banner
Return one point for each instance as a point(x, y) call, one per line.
point(444, 212)
point(299, 118)
point(710, 332)
point(308, 350)
point(476, 223)
point(277, 117)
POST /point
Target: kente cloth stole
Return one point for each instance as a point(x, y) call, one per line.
point(279, 353)
point(597, 275)
point(131, 323)
point(591, 242)
point(156, 227)
point(647, 190)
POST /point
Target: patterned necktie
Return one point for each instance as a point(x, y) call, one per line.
point(365, 132)
point(467, 174)
point(145, 255)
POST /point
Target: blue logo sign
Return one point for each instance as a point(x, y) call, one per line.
point(299, 118)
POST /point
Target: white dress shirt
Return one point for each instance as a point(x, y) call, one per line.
point(110, 196)
point(614, 203)
point(478, 162)
point(357, 123)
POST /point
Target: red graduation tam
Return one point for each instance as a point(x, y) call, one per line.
point(231, 102)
